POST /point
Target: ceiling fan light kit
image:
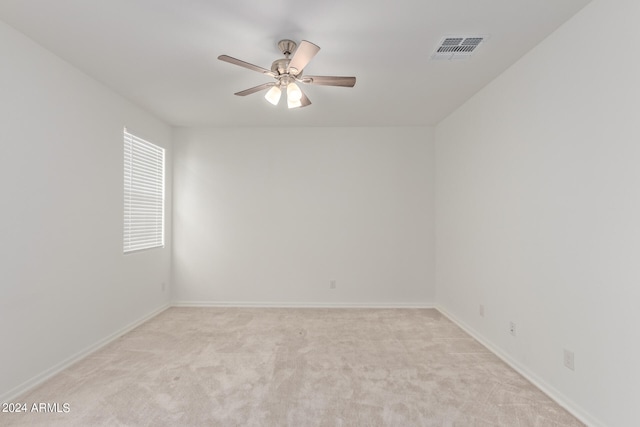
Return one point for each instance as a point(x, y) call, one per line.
point(273, 95)
point(292, 103)
point(289, 71)
point(293, 92)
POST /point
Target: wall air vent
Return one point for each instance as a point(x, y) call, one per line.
point(457, 47)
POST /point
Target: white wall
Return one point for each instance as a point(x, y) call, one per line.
point(538, 212)
point(64, 282)
point(272, 215)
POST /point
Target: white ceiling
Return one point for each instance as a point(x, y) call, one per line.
point(161, 54)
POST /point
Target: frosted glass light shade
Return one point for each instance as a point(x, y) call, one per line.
point(293, 92)
point(293, 103)
point(273, 95)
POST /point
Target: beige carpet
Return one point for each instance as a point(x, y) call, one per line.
point(293, 367)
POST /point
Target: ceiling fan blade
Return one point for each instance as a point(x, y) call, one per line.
point(330, 80)
point(235, 61)
point(304, 101)
point(255, 89)
point(301, 57)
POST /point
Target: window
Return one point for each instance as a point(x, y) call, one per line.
point(143, 194)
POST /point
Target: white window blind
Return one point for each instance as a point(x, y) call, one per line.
point(143, 194)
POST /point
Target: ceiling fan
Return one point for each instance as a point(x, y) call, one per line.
point(287, 71)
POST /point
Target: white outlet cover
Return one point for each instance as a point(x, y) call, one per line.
point(569, 359)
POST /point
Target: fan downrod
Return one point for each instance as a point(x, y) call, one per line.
point(280, 66)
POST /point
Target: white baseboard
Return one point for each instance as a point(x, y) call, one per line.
point(549, 390)
point(43, 376)
point(250, 304)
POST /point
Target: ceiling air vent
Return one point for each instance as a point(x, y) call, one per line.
point(457, 47)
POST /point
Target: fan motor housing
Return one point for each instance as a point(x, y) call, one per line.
point(280, 66)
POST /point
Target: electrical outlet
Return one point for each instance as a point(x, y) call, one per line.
point(568, 359)
point(512, 328)
point(164, 286)
point(481, 310)
point(332, 284)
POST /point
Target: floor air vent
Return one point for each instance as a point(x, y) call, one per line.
point(457, 47)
